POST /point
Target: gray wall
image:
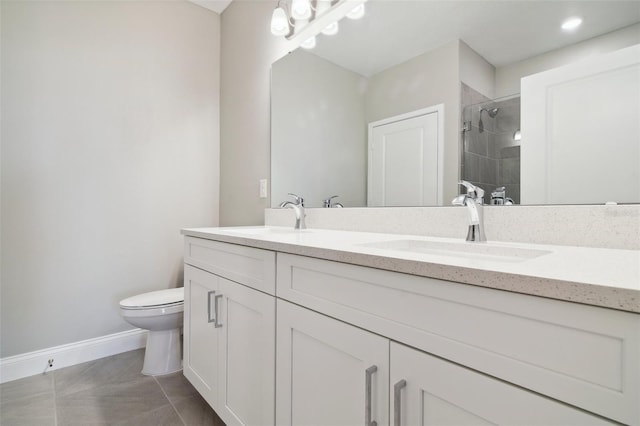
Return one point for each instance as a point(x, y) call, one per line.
point(319, 142)
point(476, 72)
point(508, 77)
point(248, 50)
point(110, 139)
point(429, 79)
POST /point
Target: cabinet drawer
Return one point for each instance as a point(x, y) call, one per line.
point(246, 265)
point(431, 391)
point(583, 355)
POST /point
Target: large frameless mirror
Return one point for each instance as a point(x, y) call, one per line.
point(399, 106)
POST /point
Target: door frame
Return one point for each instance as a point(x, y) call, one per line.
point(439, 108)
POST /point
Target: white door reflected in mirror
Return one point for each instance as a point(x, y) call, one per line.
point(405, 158)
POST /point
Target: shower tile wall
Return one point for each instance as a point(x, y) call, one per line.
point(491, 157)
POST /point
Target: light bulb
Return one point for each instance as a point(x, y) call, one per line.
point(357, 12)
point(301, 9)
point(331, 29)
point(279, 22)
point(309, 43)
point(571, 23)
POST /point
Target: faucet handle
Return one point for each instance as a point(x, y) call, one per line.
point(299, 199)
point(473, 191)
point(327, 202)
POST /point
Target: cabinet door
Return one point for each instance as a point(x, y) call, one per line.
point(324, 371)
point(426, 390)
point(200, 335)
point(246, 384)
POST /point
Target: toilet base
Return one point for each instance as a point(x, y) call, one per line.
point(163, 353)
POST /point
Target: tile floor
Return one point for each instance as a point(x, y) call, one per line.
point(107, 391)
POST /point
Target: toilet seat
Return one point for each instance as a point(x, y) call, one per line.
point(173, 297)
point(153, 311)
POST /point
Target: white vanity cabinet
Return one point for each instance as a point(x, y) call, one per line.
point(229, 330)
point(332, 373)
point(352, 344)
point(568, 357)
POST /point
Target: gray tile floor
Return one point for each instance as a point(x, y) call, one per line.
point(107, 391)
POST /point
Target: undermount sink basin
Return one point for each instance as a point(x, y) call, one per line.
point(265, 230)
point(485, 251)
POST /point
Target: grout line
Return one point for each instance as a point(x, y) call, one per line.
point(170, 402)
point(55, 399)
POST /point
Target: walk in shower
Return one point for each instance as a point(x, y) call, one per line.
point(490, 145)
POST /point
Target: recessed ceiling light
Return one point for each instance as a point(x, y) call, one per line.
point(571, 23)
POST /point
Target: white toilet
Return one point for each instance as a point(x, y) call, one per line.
point(161, 313)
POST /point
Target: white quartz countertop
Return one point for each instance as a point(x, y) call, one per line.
point(602, 277)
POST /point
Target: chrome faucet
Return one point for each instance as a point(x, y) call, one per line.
point(473, 199)
point(499, 197)
point(328, 204)
point(298, 208)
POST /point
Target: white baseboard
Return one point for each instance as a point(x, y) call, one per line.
point(32, 363)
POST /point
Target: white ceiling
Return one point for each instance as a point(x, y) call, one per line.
point(216, 5)
point(503, 31)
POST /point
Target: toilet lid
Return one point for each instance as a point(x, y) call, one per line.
point(155, 298)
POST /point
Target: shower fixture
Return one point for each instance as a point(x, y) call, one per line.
point(492, 112)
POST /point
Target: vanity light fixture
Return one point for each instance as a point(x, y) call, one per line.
point(517, 135)
point(303, 20)
point(331, 29)
point(300, 9)
point(571, 23)
point(309, 43)
point(357, 12)
point(279, 21)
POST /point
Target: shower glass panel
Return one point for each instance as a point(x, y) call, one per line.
point(490, 146)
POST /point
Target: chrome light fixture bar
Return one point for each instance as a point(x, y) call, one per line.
point(302, 20)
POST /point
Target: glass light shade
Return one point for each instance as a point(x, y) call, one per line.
point(301, 9)
point(357, 12)
point(331, 29)
point(322, 6)
point(517, 135)
point(309, 43)
point(279, 22)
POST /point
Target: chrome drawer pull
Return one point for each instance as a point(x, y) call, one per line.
point(367, 401)
point(217, 324)
point(397, 399)
point(209, 306)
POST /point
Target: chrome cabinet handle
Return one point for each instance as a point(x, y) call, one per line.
point(216, 323)
point(397, 399)
point(209, 319)
point(367, 401)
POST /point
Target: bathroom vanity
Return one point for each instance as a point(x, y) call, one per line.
point(334, 327)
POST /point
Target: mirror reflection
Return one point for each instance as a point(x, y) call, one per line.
point(399, 106)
